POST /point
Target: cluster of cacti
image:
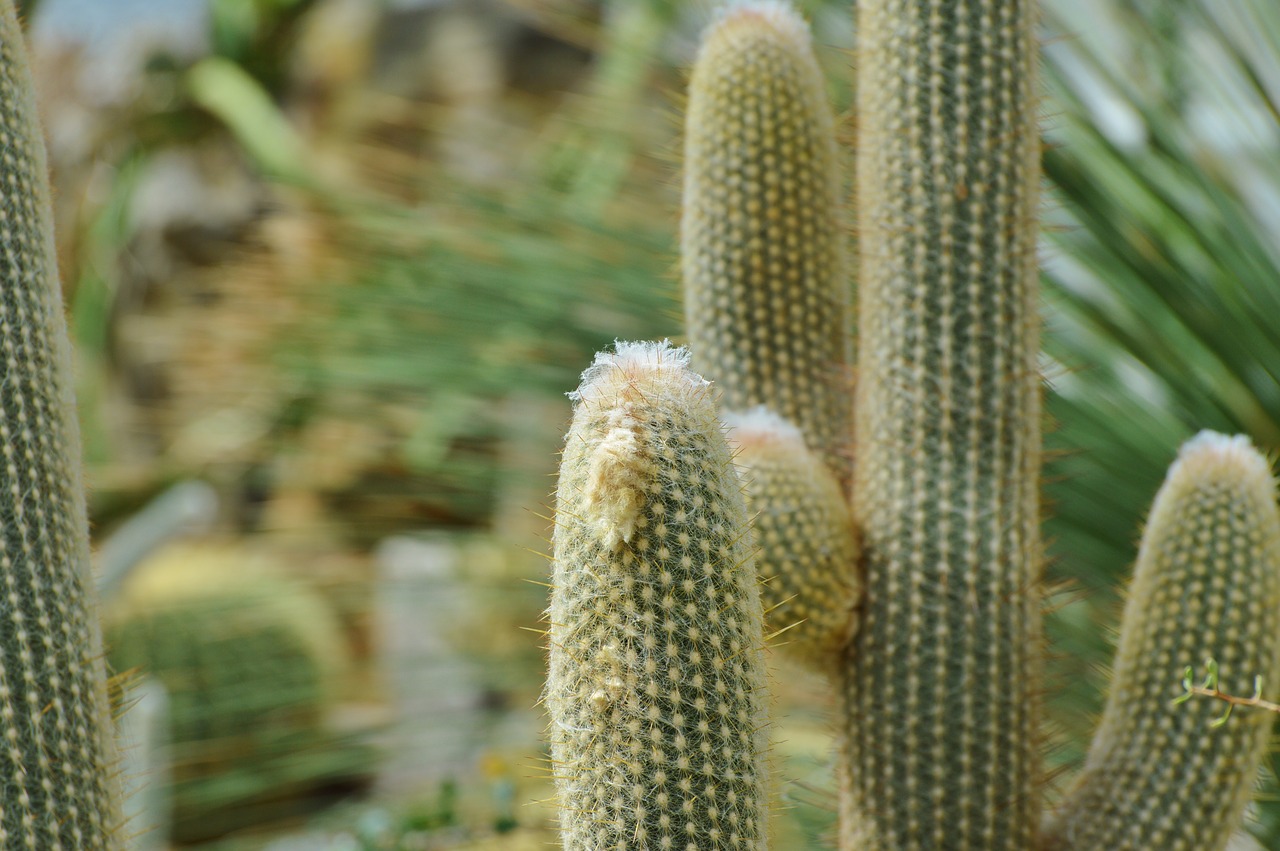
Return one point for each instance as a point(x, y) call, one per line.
point(56, 764)
point(251, 665)
point(896, 539)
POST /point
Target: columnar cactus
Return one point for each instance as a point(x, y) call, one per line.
point(766, 301)
point(656, 685)
point(941, 684)
point(55, 763)
point(917, 588)
point(767, 305)
point(1206, 587)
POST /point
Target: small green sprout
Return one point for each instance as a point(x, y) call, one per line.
point(1209, 688)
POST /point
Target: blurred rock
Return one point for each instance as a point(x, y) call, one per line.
point(434, 688)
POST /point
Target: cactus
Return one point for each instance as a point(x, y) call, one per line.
point(767, 305)
point(57, 764)
point(762, 254)
point(656, 682)
point(1206, 586)
point(918, 588)
point(251, 665)
point(941, 685)
point(803, 535)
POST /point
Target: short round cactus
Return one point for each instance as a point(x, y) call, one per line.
point(251, 665)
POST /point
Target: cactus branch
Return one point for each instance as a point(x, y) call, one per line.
point(1207, 585)
point(942, 726)
point(806, 545)
point(656, 683)
point(55, 763)
point(761, 242)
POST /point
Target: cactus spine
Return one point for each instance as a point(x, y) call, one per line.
point(940, 688)
point(54, 721)
point(1206, 586)
point(656, 683)
point(939, 659)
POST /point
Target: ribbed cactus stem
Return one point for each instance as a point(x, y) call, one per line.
point(941, 684)
point(1160, 774)
point(765, 277)
point(656, 685)
point(806, 548)
point(54, 721)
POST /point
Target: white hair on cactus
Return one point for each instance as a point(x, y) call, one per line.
point(761, 425)
point(625, 386)
point(619, 473)
point(613, 371)
point(1211, 448)
point(780, 15)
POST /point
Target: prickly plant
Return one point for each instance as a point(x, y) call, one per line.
point(656, 683)
point(55, 759)
point(250, 664)
point(940, 685)
point(917, 588)
point(803, 535)
point(1206, 586)
point(762, 248)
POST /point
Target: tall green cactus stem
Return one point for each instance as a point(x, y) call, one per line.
point(54, 721)
point(804, 538)
point(1207, 585)
point(765, 277)
point(656, 684)
point(941, 685)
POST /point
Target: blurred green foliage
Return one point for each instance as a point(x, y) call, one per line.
point(257, 35)
point(453, 311)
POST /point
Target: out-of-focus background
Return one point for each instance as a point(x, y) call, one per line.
point(331, 266)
